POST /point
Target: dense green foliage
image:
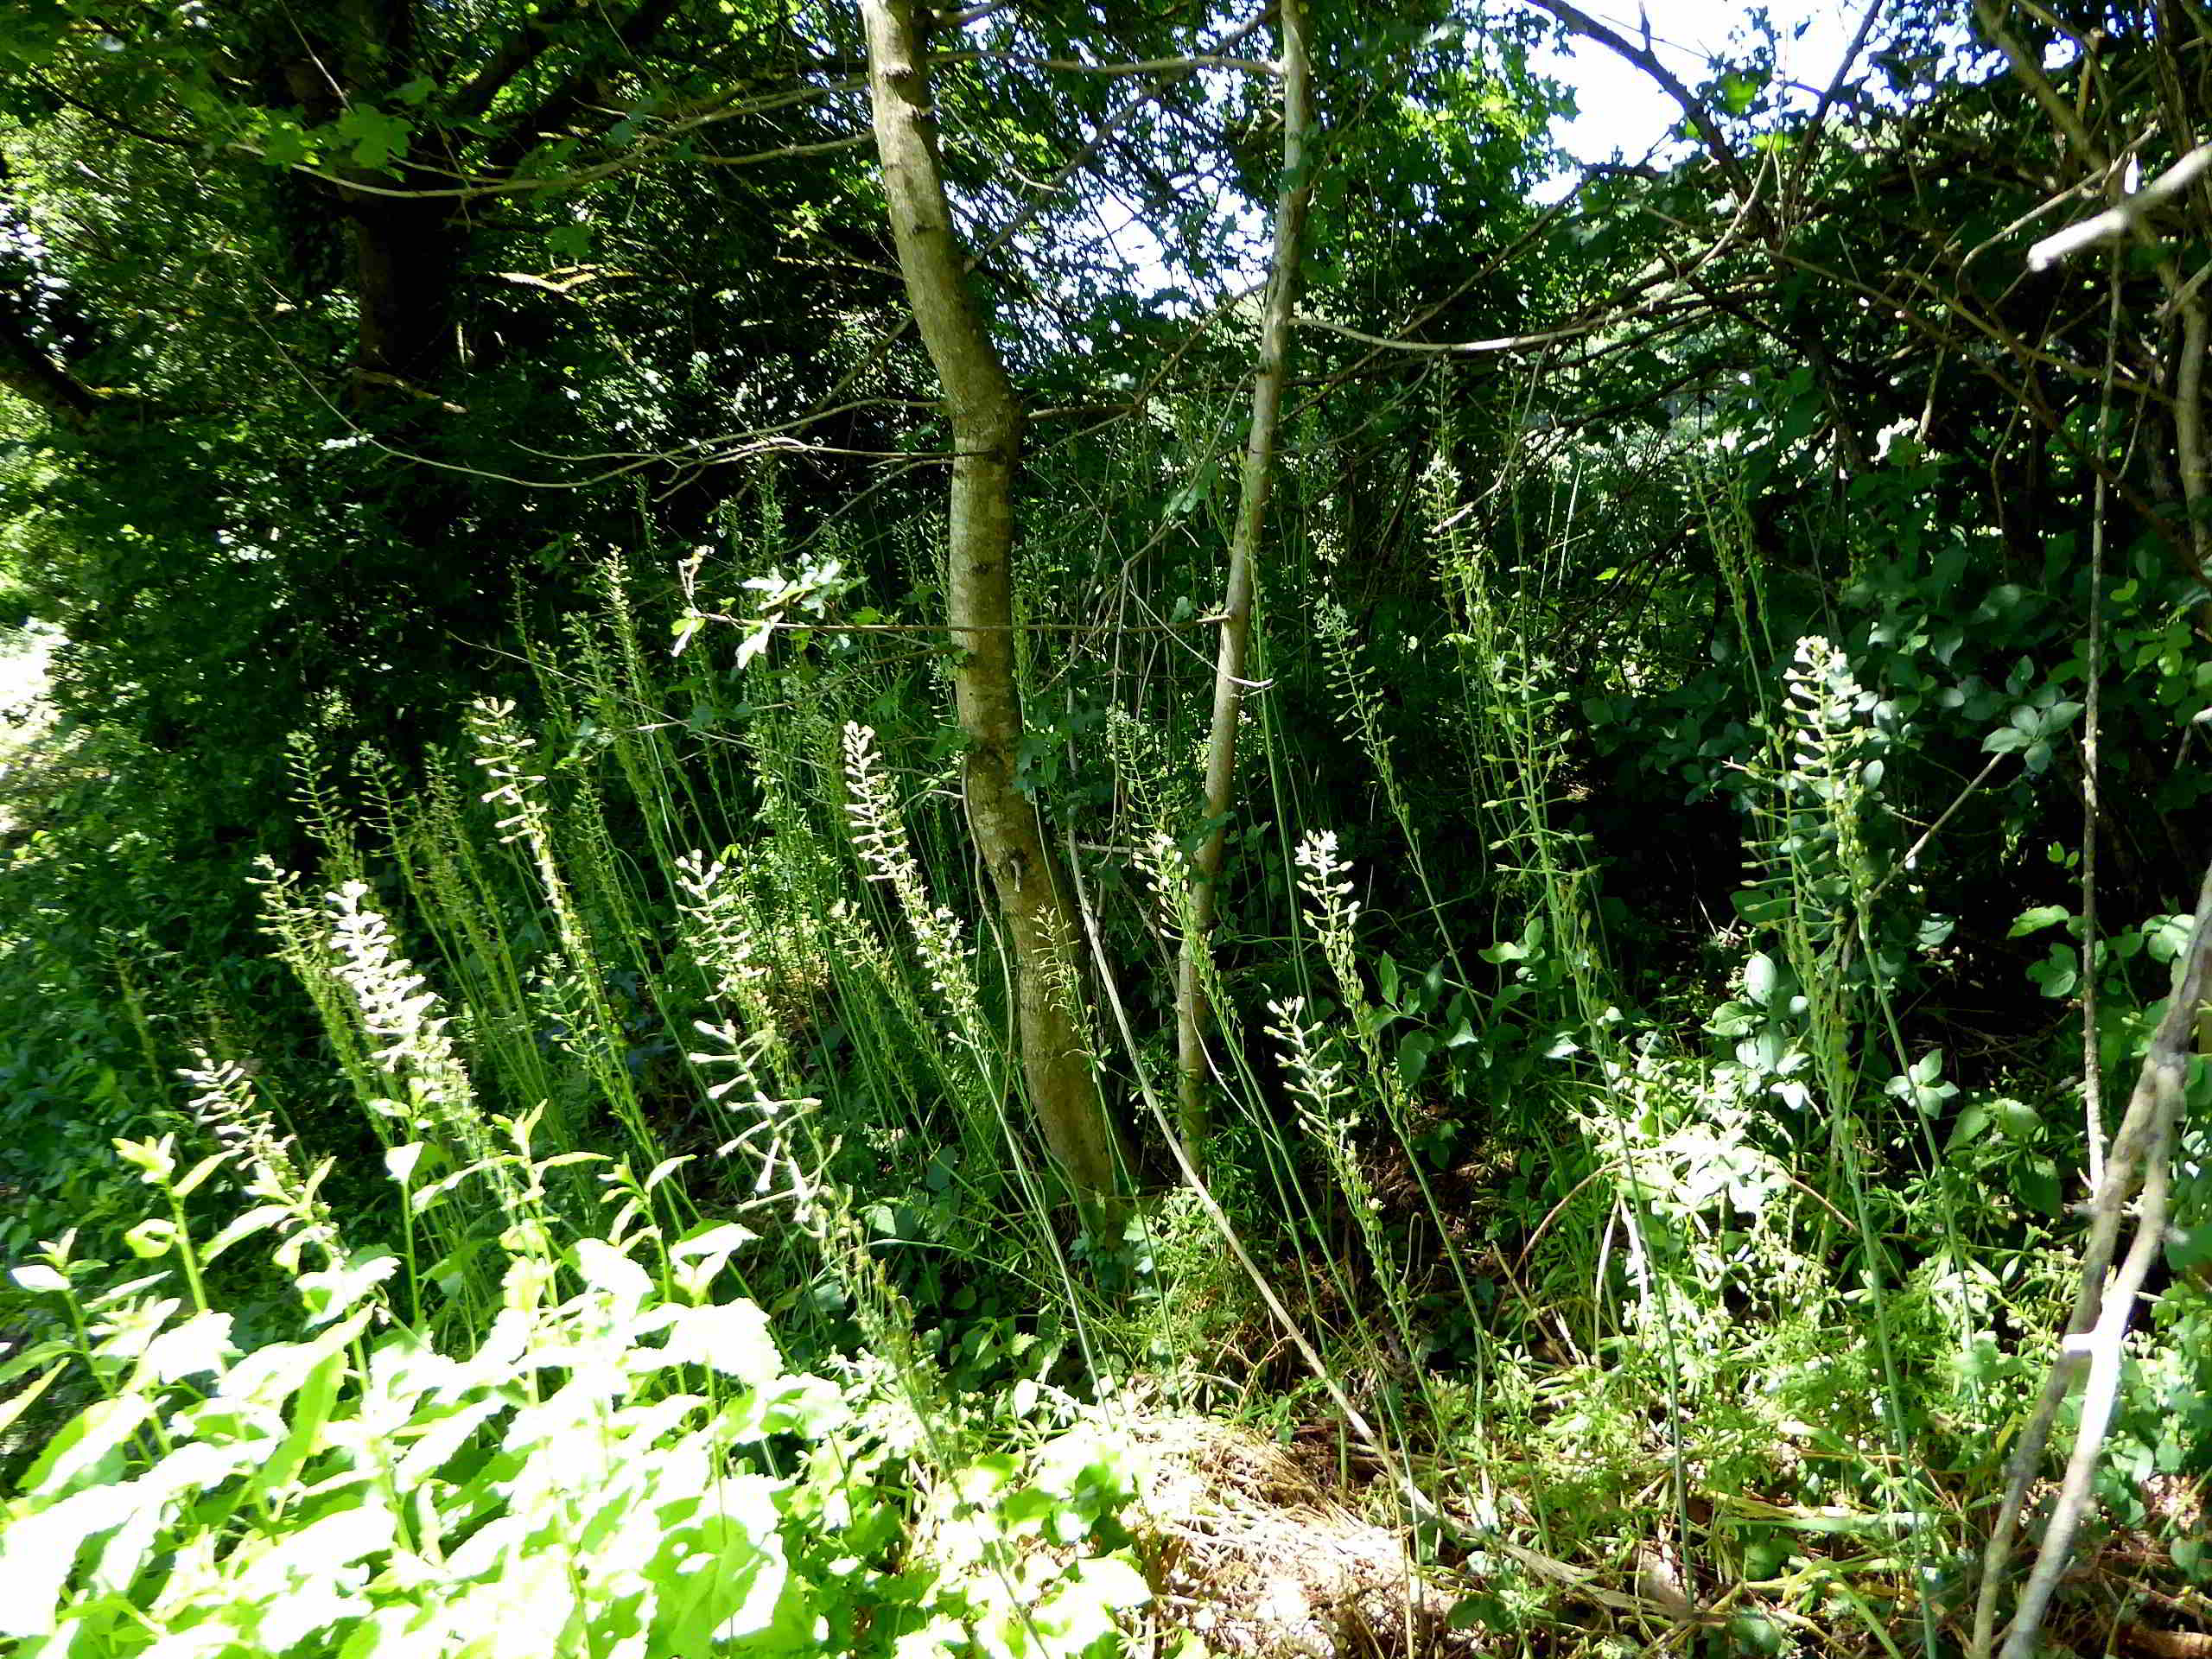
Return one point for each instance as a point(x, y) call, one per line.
point(511, 1127)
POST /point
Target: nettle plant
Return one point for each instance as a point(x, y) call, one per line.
point(621, 1464)
point(613, 1461)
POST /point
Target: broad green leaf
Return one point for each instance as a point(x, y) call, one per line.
point(89, 1448)
point(199, 1172)
point(257, 1220)
point(271, 1374)
point(316, 1399)
point(37, 1553)
point(699, 1257)
point(1414, 1055)
point(1761, 976)
point(201, 1344)
point(604, 1267)
point(731, 1338)
point(27, 1396)
point(330, 1291)
point(152, 1238)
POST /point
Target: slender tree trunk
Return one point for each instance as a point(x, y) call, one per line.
point(987, 440)
point(1230, 679)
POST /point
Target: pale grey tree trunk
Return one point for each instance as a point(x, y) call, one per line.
point(986, 419)
point(1229, 676)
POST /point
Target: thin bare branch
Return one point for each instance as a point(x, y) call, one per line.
point(2129, 216)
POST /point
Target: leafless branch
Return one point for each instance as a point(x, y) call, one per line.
point(2127, 217)
point(2138, 1170)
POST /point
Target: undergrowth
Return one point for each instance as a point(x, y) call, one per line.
point(607, 1221)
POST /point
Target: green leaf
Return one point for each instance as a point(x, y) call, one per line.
point(1413, 1056)
point(199, 1172)
point(2034, 921)
point(569, 243)
point(607, 1268)
point(154, 1161)
point(312, 1407)
point(201, 1344)
point(24, 1398)
point(1969, 1128)
point(2167, 936)
point(711, 1239)
point(377, 138)
point(88, 1450)
point(753, 644)
point(152, 1238)
point(731, 1338)
point(2035, 1180)
point(36, 1558)
point(1761, 976)
point(259, 1219)
point(284, 144)
point(2058, 973)
point(1739, 90)
point(2192, 1556)
point(337, 1289)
